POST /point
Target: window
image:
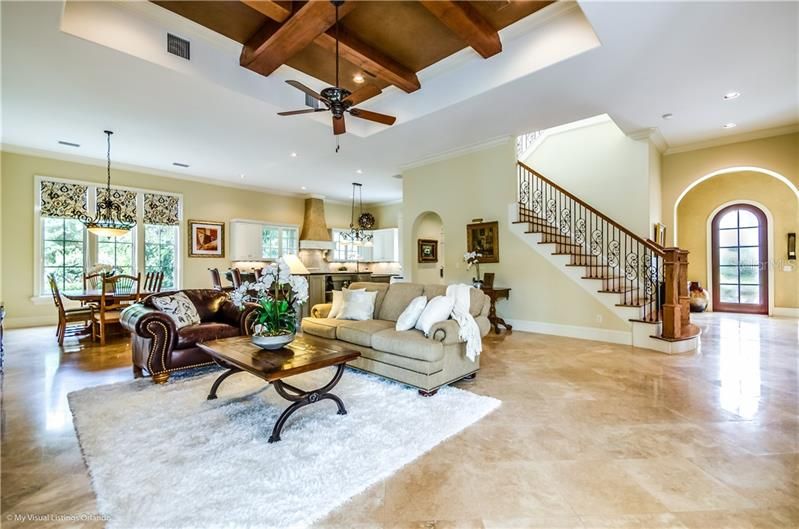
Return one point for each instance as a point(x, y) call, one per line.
point(160, 250)
point(66, 249)
point(344, 250)
point(64, 243)
point(277, 241)
point(117, 252)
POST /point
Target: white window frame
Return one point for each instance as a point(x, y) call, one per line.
point(90, 241)
point(281, 248)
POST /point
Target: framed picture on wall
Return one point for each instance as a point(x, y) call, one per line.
point(206, 238)
point(427, 251)
point(483, 237)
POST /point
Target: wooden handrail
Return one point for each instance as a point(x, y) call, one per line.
point(646, 243)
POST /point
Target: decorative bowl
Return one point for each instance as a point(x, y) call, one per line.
point(271, 343)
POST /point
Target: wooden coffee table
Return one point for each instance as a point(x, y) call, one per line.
point(238, 354)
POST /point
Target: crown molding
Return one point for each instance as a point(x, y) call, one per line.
point(460, 151)
point(653, 135)
point(738, 138)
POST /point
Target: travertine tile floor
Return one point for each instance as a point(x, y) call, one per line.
point(590, 435)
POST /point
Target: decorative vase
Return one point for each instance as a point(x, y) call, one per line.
point(477, 283)
point(698, 297)
point(271, 343)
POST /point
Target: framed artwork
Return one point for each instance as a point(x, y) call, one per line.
point(427, 251)
point(483, 237)
point(659, 233)
point(206, 238)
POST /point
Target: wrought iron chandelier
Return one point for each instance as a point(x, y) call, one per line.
point(359, 234)
point(109, 219)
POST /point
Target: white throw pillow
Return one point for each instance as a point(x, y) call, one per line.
point(407, 320)
point(338, 300)
point(438, 309)
point(178, 307)
point(358, 305)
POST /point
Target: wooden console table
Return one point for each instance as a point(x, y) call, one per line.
point(494, 294)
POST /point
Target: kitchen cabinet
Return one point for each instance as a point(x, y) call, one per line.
point(245, 241)
point(385, 245)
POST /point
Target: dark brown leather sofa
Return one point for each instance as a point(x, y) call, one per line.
point(159, 348)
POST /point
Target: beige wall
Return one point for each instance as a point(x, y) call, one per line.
point(696, 208)
point(679, 171)
point(482, 184)
point(599, 164)
point(387, 215)
point(200, 201)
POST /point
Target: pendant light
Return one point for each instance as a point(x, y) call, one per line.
point(359, 226)
point(109, 219)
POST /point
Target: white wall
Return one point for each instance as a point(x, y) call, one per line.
point(599, 164)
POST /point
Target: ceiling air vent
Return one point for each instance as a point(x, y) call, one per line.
point(311, 102)
point(178, 46)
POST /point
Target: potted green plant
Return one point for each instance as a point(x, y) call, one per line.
point(278, 295)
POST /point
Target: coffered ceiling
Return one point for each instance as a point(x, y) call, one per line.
point(383, 42)
point(71, 70)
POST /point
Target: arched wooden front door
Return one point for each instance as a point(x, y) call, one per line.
point(740, 260)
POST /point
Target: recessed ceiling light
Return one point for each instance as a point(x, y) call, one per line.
point(303, 188)
point(69, 143)
point(359, 171)
point(294, 155)
point(358, 78)
point(667, 115)
point(731, 95)
point(180, 164)
point(242, 175)
point(729, 125)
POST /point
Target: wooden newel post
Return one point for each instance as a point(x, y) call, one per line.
point(672, 309)
point(685, 299)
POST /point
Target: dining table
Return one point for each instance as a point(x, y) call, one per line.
point(93, 295)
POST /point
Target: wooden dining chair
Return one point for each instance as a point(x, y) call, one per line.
point(118, 292)
point(216, 280)
point(92, 282)
point(235, 277)
point(66, 316)
point(152, 281)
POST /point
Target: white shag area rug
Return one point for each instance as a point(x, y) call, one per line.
point(165, 457)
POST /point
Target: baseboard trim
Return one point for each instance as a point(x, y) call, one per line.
point(788, 312)
point(574, 331)
point(29, 321)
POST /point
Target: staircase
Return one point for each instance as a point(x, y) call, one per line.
point(635, 278)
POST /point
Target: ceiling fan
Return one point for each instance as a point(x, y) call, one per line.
point(340, 100)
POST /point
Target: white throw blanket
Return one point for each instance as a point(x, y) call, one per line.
point(469, 331)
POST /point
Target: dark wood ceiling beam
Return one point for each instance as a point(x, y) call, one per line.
point(270, 47)
point(277, 10)
point(367, 58)
point(466, 22)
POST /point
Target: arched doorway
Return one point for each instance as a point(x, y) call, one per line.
point(739, 242)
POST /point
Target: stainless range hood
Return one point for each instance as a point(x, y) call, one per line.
point(315, 235)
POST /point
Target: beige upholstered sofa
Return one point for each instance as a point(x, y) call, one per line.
point(406, 356)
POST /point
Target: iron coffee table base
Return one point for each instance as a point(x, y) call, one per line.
point(298, 397)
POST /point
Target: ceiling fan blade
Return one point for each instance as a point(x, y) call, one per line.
point(338, 125)
point(373, 116)
point(299, 86)
point(305, 111)
point(362, 94)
